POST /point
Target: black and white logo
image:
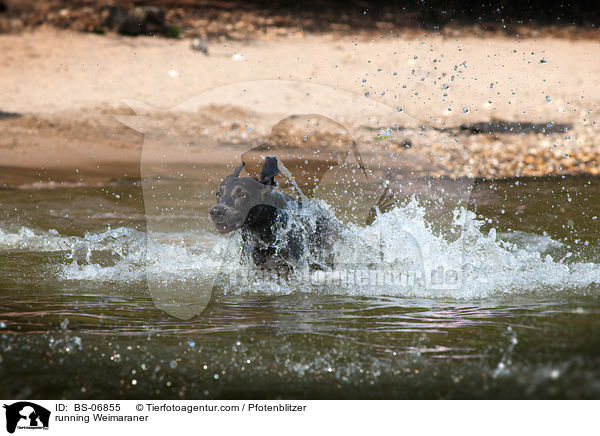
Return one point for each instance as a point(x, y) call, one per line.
point(26, 415)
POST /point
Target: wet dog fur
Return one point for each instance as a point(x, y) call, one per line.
point(271, 238)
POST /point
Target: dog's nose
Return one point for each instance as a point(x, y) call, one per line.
point(217, 212)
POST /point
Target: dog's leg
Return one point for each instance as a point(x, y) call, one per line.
point(386, 202)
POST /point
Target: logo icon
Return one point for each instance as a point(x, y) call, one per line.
point(26, 415)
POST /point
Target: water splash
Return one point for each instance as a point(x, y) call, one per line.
point(26, 239)
point(399, 255)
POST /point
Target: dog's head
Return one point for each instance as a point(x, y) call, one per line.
point(237, 195)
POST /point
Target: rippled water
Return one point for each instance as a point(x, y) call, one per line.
point(78, 317)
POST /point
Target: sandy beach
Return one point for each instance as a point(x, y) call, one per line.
point(62, 90)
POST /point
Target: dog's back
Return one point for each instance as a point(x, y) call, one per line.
point(288, 238)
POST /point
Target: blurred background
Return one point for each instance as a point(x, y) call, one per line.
point(247, 19)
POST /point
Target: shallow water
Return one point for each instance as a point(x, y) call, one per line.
point(78, 319)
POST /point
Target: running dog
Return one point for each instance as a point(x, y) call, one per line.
point(271, 237)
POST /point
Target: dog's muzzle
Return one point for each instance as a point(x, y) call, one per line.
point(218, 214)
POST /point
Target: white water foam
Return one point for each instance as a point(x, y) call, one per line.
point(399, 255)
point(26, 239)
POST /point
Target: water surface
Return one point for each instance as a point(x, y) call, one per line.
point(77, 318)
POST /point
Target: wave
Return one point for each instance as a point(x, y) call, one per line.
point(399, 255)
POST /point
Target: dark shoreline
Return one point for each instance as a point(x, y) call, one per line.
point(239, 20)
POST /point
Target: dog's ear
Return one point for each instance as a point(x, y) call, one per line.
point(269, 171)
point(236, 172)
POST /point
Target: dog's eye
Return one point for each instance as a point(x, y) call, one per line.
point(219, 194)
point(243, 195)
